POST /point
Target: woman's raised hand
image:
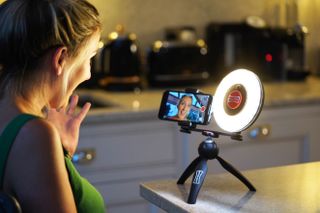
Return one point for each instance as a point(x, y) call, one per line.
point(68, 122)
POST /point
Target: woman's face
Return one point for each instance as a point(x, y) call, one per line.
point(77, 71)
point(184, 107)
point(82, 63)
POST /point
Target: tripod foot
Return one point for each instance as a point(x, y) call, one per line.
point(236, 173)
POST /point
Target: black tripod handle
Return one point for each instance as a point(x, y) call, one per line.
point(236, 173)
point(197, 180)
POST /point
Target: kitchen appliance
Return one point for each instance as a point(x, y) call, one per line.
point(117, 65)
point(179, 60)
point(276, 54)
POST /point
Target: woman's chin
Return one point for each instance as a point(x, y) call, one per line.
point(181, 118)
point(59, 104)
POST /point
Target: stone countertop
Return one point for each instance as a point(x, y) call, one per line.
point(293, 188)
point(142, 105)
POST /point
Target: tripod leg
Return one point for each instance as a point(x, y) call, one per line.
point(197, 180)
point(236, 173)
point(188, 171)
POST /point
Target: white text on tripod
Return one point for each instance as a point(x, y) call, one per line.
point(197, 178)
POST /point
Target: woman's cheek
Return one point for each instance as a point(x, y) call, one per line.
point(83, 74)
point(88, 76)
point(87, 71)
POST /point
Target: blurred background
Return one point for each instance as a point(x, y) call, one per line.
point(149, 18)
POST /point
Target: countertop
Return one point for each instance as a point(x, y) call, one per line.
point(126, 106)
point(294, 188)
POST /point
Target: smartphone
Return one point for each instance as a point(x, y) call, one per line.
point(186, 106)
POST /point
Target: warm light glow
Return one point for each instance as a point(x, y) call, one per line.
point(136, 104)
point(113, 35)
point(157, 45)
point(132, 36)
point(203, 51)
point(252, 106)
point(100, 44)
point(201, 43)
point(133, 48)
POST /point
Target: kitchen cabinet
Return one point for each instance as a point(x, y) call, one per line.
point(116, 157)
point(120, 155)
point(280, 136)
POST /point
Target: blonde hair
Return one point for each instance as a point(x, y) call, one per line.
point(31, 28)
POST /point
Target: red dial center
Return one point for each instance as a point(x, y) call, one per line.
point(234, 99)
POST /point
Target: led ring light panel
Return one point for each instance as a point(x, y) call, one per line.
point(238, 100)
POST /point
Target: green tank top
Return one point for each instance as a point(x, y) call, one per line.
point(87, 198)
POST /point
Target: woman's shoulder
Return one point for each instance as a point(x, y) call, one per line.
point(38, 134)
point(37, 159)
point(37, 147)
point(38, 126)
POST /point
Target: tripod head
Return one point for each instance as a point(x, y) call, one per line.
point(189, 127)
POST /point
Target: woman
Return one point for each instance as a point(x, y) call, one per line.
point(184, 107)
point(46, 47)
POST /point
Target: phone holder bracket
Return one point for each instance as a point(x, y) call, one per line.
point(189, 127)
point(192, 90)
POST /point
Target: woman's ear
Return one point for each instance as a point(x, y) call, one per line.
point(59, 59)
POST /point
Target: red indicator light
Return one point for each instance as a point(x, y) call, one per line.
point(268, 57)
point(203, 108)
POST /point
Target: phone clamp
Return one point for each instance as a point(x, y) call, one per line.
point(188, 127)
point(208, 150)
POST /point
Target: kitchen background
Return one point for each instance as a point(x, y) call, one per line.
point(149, 18)
point(123, 143)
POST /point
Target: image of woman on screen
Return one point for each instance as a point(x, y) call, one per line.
point(184, 107)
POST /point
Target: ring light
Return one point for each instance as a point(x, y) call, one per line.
point(238, 100)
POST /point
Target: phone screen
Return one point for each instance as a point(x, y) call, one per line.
point(186, 106)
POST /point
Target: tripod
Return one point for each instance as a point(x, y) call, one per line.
point(207, 150)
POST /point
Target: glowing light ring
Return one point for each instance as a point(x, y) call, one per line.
point(252, 106)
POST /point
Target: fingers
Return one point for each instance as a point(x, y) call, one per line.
point(82, 114)
point(73, 104)
point(70, 112)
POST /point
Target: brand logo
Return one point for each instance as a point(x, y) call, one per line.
point(234, 99)
point(197, 177)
